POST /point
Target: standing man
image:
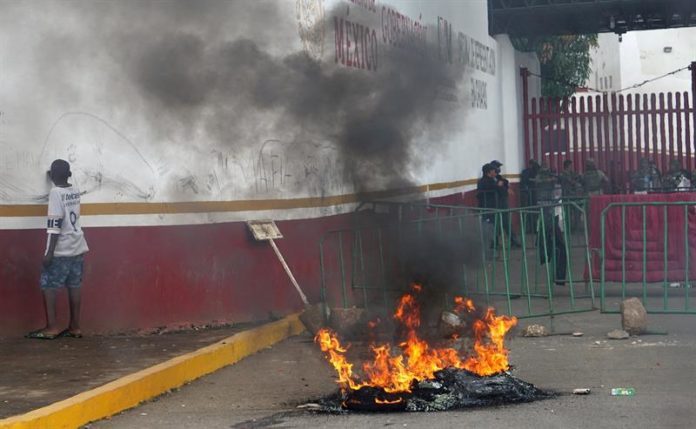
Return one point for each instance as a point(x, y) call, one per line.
point(594, 179)
point(504, 203)
point(570, 180)
point(528, 195)
point(488, 193)
point(64, 257)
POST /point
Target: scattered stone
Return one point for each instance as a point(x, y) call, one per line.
point(581, 391)
point(634, 318)
point(535, 331)
point(578, 334)
point(618, 334)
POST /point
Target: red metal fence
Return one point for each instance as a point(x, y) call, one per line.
point(614, 129)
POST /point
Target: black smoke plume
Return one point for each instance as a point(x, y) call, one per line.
point(235, 90)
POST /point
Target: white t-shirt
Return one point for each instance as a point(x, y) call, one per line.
point(64, 219)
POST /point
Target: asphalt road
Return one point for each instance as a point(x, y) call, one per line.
point(265, 389)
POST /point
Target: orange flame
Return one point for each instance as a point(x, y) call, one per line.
point(462, 304)
point(395, 372)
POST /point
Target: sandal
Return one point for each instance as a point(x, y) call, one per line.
point(69, 334)
point(41, 335)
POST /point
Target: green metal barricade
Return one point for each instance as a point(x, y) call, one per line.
point(357, 264)
point(522, 281)
point(645, 252)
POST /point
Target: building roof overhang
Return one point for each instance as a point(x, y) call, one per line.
point(525, 18)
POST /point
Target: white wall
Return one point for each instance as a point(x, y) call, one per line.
point(643, 57)
point(68, 90)
point(606, 63)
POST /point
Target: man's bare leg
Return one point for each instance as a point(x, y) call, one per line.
point(50, 307)
point(75, 299)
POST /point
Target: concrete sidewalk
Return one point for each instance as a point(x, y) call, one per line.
point(65, 372)
point(264, 390)
point(38, 372)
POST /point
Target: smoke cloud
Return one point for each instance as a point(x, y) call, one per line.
point(229, 74)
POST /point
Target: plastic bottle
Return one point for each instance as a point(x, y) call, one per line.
point(623, 391)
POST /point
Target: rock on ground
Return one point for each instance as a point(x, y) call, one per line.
point(617, 334)
point(535, 331)
point(634, 318)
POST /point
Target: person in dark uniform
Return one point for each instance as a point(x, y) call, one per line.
point(504, 204)
point(489, 191)
point(528, 193)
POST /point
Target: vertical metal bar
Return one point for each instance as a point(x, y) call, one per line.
point(664, 256)
point(598, 135)
point(549, 132)
point(554, 245)
point(538, 249)
point(525, 268)
point(692, 67)
point(607, 143)
point(496, 222)
point(578, 158)
point(535, 134)
point(687, 250)
point(653, 117)
point(557, 114)
point(583, 132)
point(524, 73)
point(687, 133)
point(614, 143)
point(680, 145)
point(639, 134)
point(603, 254)
point(569, 267)
point(549, 287)
point(645, 258)
point(646, 127)
point(621, 149)
point(623, 252)
point(588, 257)
point(671, 143)
point(506, 271)
point(343, 270)
point(570, 153)
point(629, 118)
point(663, 135)
point(484, 267)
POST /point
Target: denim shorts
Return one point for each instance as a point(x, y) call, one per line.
point(63, 271)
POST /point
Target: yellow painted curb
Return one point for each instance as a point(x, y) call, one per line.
point(129, 391)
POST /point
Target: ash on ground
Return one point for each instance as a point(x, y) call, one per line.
point(450, 389)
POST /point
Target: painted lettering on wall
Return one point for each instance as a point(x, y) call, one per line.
point(355, 45)
point(474, 54)
point(479, 95)
point(402, 31)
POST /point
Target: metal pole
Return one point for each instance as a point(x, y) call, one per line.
point(524, 72)
point(287, 270)
point(693, 107)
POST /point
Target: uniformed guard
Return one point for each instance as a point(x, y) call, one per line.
point(594, 179)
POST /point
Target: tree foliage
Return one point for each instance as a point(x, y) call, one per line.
point(564, 60)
